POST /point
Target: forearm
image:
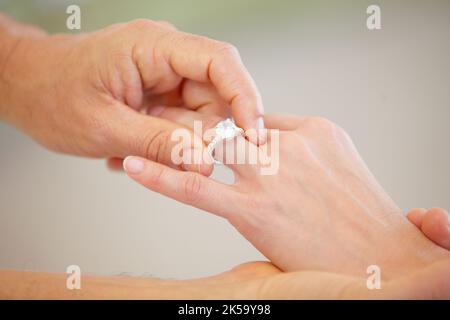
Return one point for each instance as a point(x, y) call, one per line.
point(38, 285)
point(12, 33)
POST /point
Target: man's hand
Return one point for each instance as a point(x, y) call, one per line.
point(434, 224)
point(83, 94)
point(255, 280)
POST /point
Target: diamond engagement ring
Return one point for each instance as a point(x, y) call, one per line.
point(224, 130)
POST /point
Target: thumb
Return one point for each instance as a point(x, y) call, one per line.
point(158, 140)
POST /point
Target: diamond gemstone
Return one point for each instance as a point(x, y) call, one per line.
point(227, 129)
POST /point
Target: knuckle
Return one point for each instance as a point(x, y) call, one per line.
point(167, 24)
point(226, 50)
point(343, 135)
point(319, 124)
point(156, 145)
point(191, 187)
point(140, 24)
point(322, 127)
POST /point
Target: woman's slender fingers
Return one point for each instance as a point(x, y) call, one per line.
point(236, 155)
point(187, 187)
point(282, 121)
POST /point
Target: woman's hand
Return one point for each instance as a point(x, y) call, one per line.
point(81, 94)
point(322, 211)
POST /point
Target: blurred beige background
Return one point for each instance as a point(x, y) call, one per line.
point(390, 89)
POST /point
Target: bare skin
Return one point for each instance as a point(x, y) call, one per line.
point(256, 280)
point(21, 55)
point(81, 94)
point(334, 215)
point(434, 224)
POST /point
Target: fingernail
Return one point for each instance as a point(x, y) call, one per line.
point(260, 123)
point(133, 165)
point(261, 137)
point(156, 110)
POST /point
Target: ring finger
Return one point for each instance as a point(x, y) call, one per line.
point(202, 124)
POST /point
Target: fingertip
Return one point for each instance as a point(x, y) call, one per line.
point(438, 211)
point(256, 132)
point(436, 226)
point(416, 215)
point(416, 211)
point(133, 165)
point(262, 137)
point(440, 217)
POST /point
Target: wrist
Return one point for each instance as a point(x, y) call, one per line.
point(13, 35)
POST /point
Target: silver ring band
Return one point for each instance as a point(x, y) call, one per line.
point(225, 130)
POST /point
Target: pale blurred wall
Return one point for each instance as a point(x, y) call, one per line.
point(390, 89)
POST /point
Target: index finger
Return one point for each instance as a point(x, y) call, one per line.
point(205, 60)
